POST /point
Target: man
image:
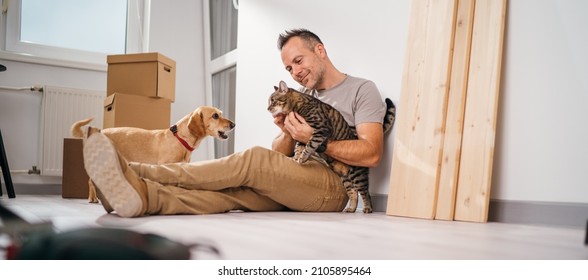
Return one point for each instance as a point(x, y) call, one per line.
point(256, 179)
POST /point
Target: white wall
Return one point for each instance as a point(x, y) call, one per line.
point(541, 145)
point(541, 152)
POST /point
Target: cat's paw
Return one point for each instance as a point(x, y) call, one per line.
point(302, 158)
point(340, 168)
point(349, 210)
point(367, 210)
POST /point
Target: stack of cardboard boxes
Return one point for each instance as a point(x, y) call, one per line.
point(139, 92)
point(140, 89)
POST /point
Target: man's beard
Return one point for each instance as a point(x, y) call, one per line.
point(318, 81)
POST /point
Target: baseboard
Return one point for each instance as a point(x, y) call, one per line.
point(379, 202)
point(523, 212)
point(531, 212)
point(39, 189)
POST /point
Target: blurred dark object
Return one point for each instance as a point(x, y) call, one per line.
point(101, 244)
point(2, 68)
point(39, 241)
point(5, 171)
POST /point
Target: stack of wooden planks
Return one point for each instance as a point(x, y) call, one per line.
point(444, 141)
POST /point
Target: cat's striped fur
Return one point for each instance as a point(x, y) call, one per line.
point(328, 123)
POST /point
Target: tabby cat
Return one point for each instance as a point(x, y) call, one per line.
point(328, 123)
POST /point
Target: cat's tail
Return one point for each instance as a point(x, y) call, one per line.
point(390, 115)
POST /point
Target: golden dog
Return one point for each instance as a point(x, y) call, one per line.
point(161, 145)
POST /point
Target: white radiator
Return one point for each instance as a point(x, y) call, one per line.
point(61, 107)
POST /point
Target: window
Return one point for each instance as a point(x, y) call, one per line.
point(76, 31)
point(223, 89)
point(221, 50)
point(223, 27)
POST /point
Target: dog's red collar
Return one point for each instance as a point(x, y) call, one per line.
point(174, 130)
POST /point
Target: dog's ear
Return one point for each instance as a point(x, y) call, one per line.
point(196, 123)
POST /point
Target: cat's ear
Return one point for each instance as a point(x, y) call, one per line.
point(283, 86)
point(275, 88)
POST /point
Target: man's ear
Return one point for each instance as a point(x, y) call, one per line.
point(320, 49)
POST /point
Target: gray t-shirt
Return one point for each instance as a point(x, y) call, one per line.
point(358, 100)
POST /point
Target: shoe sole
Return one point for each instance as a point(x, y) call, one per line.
point(103, 201)
point(103, 167)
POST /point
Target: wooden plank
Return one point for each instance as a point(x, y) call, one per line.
point(477, 152)
point(455, 111)
point(421, 116)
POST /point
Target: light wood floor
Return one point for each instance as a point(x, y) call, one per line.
point(321, 236)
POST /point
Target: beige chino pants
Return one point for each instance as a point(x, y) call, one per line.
point(257, 179)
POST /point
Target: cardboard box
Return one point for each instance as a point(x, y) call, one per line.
point(147, 74)
point(75, 179)
point(136, 111)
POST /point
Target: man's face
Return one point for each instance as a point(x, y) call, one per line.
point(304, 65)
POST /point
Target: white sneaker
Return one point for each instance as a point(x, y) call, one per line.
point(119, 185)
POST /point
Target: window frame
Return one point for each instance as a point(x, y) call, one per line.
point(214, 66)
point(13, 49)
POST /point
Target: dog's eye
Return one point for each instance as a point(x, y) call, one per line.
point(215, 116)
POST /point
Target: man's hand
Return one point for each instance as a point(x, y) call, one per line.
point(283, 143)
point(296, 126)
point(279, 121)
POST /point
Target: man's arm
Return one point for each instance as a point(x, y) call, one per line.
point(365, 151)
point(283, 143)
